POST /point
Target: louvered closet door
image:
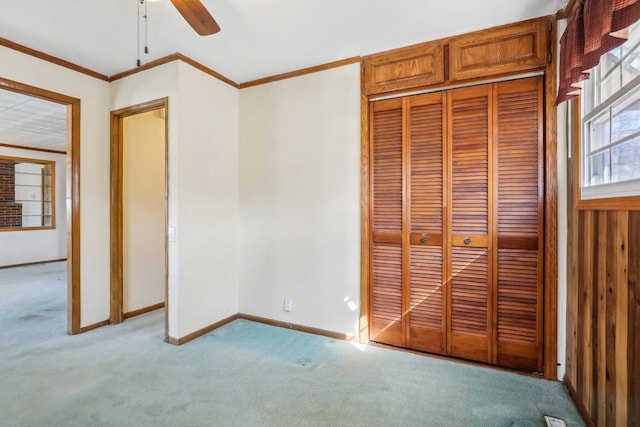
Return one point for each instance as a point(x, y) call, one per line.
point(426, 125)
point(387, 186)
point(469, 323)
point(519, 254)
point(457, 196)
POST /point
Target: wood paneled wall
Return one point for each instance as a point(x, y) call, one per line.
point(603, 314)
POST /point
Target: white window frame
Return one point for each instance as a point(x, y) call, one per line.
point(594, 108)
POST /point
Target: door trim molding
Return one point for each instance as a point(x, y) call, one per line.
point(550, 251)
point(73, 192)
point(117, 314)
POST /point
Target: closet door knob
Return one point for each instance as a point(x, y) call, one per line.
point(467, 241)
point(425, 238)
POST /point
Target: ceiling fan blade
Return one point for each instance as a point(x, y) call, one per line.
point(197, 16)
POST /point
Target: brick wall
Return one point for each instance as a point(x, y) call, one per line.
point(10, 212)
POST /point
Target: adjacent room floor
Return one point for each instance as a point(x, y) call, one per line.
point(243, 374)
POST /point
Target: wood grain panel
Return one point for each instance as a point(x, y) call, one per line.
point(509, 49)
point(469, 303)
point(605, 295)
point(600, 366)
point(426, 142)
point(469, 124)
point(633, 332)
point(497, 51)
point(387, 168)
point(412, 66)
point(446, 235)
point(519, 139)
point(426, 299)
point(518, 319)
point(610, 319)
point(386, 309)
point(518, 136)
point(366, 205)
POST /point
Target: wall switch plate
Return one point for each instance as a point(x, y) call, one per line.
point(554, 422)
point(172, 234)
point(288, 304)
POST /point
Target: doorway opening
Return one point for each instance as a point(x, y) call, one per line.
point(72, 194)
point(139, 214)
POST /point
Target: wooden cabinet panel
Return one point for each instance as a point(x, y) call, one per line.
point(507, 49)
point(419, 65)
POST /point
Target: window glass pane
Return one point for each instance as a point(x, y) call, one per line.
point(631, 65)
point(610, 60)
point(610, 84)
point(598, 172)
point(599, 131)
point(587, 98)
point(626, 116)
point(634, 35)
point(625, 161)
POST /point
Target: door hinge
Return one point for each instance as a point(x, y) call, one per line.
point(550, 57)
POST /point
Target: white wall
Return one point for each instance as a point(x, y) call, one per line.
point(300, 199)
point(20, 247)
point(94, 170)
point(143, 210)
point(207, 232)
point(203, 189)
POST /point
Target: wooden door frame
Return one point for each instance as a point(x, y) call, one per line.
point(73, 192)
point(550, 232)
point(116, 226)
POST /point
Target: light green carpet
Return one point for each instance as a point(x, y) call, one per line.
point(243, 374)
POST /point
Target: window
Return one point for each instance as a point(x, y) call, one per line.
point(610, 150)
point(26, 194)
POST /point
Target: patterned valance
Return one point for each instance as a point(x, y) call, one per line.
point(594, 28)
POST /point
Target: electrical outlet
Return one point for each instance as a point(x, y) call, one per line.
point(288, 304)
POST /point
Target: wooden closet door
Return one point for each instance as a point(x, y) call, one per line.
point(457, 195)
point(470, 303)
point(386, 296)
point(519, 176)
point(426, 299)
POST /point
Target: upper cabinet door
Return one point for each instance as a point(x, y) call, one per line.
point(406, 68)
point(498, 51)
point(509, 49)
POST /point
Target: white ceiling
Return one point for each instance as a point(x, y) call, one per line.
point(32, 122)
point(259, 38)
